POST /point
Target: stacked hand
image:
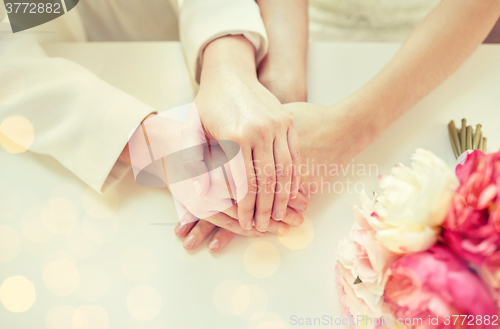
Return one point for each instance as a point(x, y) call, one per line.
point(214, 205)
point(319, 142)
point(333, 135)
point(233, 105)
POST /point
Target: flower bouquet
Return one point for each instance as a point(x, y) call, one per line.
point(425, 252)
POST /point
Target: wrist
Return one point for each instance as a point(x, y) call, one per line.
point(229, 56)
point(288, 88)
point(358, 113)
point(373, 109)
point(286, 81)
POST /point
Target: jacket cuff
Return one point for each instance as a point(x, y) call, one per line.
point(202, 21)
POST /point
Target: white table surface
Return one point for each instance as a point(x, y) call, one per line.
point(120, 271)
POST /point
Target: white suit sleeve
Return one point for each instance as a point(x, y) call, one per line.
point(2, 11)
point(77, 118)
point(202, 21)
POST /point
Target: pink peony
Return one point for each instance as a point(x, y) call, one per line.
point(362, 272)
point(473, 222)
point(362, 257)
point(490, 272)
point(436, 283)
point(350, 301)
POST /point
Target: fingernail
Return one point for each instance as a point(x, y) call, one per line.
point(303, 207)
point(259, 234)
point(214, 245)
point(182, 228)
point(294, 196)
point(190, 241)
point(298, 221)
point(197, 187)
point(262, 227)
point(279, 215)
point(248, 225)
point(283, 230)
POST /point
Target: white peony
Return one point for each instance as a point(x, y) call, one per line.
point(412, 205)
point(404, 218)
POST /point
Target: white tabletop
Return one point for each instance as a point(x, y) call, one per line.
point(102, 265)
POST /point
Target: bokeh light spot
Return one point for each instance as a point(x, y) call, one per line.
point(223, 295)
point(17, 294)
point(90, 317)
point(144, 302)
point(10, 201)
point(100, 205)
point(100, 230)
point(33, 228)
point(59, 215)
point(250, 302)
point(261, 259)
point(16, 134)
point(60, 317)
point(80, 244)
point(61, 277)
point(299, 237)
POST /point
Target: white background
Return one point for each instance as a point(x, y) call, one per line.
point(130, 270)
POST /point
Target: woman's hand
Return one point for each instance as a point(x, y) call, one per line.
point(283, 79)
point(283, 71)
point(330, 136)
point(318, 142)
point(233, 105)
point(227, 227)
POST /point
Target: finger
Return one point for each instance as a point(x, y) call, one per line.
point(294, 149)
point(283, 177)
point(198, 233)
point(239, 164)
point(299, 203)
point(233, 162)
point(232, 212)
point(231, 224)
point(185, 216)
point(266, 181)
point(246, 205)
point(293, 217)
point(220, 240)
point(182, 230)
point(278, 227)
point(193, 144)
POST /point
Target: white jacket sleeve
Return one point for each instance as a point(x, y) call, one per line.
point(201, 21)
point(80, 120)
point(2, 11)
